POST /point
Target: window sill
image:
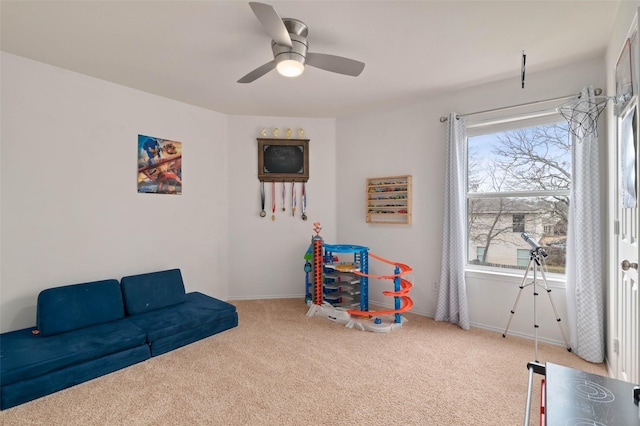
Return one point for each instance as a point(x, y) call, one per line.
point(508, 276)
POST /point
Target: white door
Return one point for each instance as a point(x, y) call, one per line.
point(625, 292)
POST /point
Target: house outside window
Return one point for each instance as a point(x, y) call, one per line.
point(518, 180)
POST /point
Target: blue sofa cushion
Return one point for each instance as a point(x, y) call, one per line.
point(147, 292)
point(36, 387)
point(174, 341)
point(75, 306)
point(199, 309)
point(25, 355)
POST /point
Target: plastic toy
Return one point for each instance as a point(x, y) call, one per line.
point(339, 290)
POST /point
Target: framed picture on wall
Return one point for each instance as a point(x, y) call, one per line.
point(283, 159)
point(159, 165)
point(624, 78)
point(633, 50)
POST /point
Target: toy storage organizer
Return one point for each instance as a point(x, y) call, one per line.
point(389, 200)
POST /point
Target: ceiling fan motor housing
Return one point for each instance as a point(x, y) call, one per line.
point(298, 31)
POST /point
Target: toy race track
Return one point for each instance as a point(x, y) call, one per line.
point(340, 290)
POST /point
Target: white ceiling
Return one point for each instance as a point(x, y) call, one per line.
point(195, 51)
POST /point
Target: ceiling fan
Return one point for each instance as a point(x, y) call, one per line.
point(289, 45)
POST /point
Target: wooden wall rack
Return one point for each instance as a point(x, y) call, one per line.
point(389, 200)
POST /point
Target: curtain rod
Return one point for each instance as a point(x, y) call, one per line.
point(597, 92)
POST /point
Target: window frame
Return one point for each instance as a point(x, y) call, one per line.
point(499, 125)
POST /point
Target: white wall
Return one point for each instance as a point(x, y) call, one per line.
point(70, 208)
point(411, 140)
point(71, 212)
point(266, 258)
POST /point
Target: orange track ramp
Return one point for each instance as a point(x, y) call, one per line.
point(405, 286)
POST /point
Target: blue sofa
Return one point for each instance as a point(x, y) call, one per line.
point(86, 330)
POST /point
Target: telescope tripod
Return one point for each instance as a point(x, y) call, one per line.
point(536, 259)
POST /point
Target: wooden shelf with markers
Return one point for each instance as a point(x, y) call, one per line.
point(389, 200)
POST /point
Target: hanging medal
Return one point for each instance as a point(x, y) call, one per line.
point(304, 202)
point(262, 212)
point(273, 200)
point(293, 198)
point(283, 195)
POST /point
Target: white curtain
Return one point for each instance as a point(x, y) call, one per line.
point(585, 301)
point(452, 293)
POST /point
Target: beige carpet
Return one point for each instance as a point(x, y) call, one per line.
point(279, 367)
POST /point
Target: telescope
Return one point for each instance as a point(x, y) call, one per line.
point(533, 243)
point(536, 264)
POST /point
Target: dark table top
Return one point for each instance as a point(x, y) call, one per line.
point(578, 398)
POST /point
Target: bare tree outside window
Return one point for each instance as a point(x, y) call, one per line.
point(518, 181)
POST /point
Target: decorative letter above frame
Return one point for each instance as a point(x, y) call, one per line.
point(283, 159)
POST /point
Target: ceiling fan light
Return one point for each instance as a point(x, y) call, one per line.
point(290, 68)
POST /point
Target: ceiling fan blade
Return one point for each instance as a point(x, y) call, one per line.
point(335, 63)
point(272, 23)
point(258, 72)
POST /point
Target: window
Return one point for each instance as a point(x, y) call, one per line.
point(523, 257)
point(518, 180)
point(518, 223)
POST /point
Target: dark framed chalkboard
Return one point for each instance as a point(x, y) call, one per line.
point(283, 159)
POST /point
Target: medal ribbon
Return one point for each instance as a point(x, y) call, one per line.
point(273, 200)
point(304, 199)
point(283, 196)
point(293, 198)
